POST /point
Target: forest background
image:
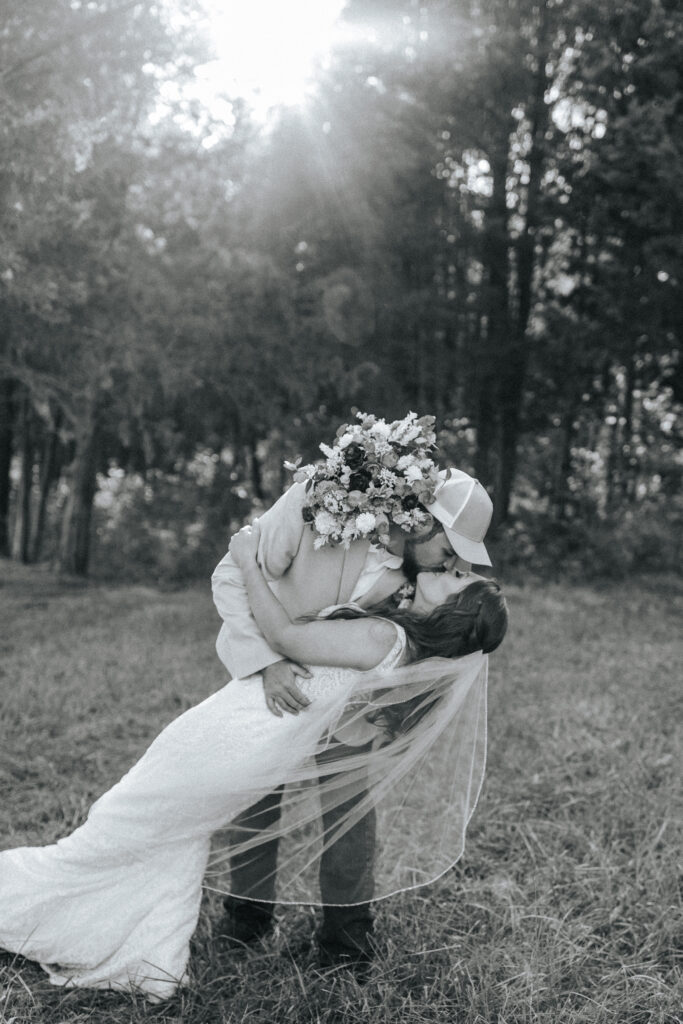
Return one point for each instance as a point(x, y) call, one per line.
point(476, 214)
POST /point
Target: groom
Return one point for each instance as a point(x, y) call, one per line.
point(307, 578)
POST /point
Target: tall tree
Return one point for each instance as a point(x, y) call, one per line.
point(76, 82)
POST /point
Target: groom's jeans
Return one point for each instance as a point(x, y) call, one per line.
point(346, 867)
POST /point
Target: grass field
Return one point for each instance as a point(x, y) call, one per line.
point(565, 907)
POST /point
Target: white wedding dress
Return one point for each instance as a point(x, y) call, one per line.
point(114, 904)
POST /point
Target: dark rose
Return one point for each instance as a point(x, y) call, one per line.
point(410, 501)
point(359, 481)
point(355, 456)
point(307, 514)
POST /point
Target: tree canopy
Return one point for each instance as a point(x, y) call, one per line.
point(477, 214)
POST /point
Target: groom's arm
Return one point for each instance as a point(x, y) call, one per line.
point(240, 645)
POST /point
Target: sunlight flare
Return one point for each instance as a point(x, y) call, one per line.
point(266, 50)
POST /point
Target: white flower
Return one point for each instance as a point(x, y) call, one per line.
point(404, 462)
point(400, 428)
point(382, 447)
point(325, 524)
point(380, 429)
point(345, 440)
point(416, 517)
point(410, 434)
point(330, 453)
point(413, 473)
point(387, 478)
point(303, 473)
point(365, 523)
point(349, 532)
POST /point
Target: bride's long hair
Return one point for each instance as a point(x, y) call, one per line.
point(473, 619)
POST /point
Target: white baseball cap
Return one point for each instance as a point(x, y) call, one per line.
point(464, 508)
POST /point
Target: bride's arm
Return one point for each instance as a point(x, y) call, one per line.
point(349, 643)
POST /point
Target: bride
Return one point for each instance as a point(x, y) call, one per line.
point(114, 904)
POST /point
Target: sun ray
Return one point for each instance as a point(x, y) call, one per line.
point(266, 50)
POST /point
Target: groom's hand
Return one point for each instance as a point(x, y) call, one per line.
point(281, 690)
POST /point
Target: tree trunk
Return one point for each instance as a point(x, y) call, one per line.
point(612, 465)
point(22, 519)
point(6, 439)
point(628, 463)
point(517, 356)
point(496, 308)
point(421, 358)
point(47, 476)
point(255, 469)
point(560, 493)
point(74, 553)
point(486, 417)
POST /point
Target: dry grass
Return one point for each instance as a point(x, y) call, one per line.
point(565, 907)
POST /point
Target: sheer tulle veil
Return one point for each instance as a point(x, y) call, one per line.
point(410, 744)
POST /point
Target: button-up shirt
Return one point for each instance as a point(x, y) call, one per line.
point(377, 560)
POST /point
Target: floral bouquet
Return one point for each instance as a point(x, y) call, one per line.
point(375, 474)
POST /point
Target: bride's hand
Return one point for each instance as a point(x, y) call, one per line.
point(244, 545)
